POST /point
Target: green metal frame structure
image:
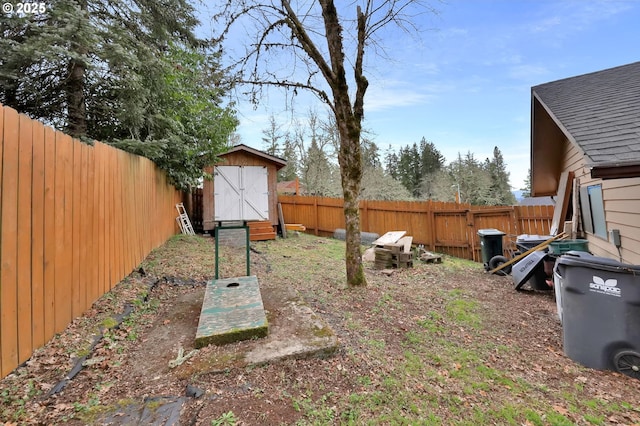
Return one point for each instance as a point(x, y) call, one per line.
point(233, 225)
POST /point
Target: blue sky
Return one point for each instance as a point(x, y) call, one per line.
point(465, 84)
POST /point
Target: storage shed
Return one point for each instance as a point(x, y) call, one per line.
point(238, 183)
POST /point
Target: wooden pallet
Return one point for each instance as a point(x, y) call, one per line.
point(261, 231)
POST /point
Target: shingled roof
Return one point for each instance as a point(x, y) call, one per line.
point(599, 111)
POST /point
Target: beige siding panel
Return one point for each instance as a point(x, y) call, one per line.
point(621, 189)
point(622, 206)
point(573, 160)
point(626, 222)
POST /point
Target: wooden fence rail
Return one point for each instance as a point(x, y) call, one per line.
point(443, 227)
point(75, 219)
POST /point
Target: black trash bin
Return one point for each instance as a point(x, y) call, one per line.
point(531, 270)
point(526, 242)
point(599, 305)
point(490, 245)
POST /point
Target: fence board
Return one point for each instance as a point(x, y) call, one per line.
point(101, 195)
point(9, 244)
point(62, 292)
point(37, 240)
point(76, 190)
point(25, 172)
point(1, 150)
point(49, 234)
point(83, 240)
point(94, 229)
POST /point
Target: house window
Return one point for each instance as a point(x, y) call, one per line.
point(592, 206)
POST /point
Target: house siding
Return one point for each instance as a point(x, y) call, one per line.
point(621, 204)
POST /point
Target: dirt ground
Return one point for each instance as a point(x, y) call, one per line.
point(433, 344)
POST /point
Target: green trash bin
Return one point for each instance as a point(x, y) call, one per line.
point(556, 248)
point(490, 245)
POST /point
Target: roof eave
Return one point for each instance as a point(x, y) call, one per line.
point(280, 162)
point(615, 169)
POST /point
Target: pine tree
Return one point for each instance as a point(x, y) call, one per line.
point(499, 192)
point(526, 191)
point(391, 163)
point(271, 137)
point(117, 71)
point(290, 171)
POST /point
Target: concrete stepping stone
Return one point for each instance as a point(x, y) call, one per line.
point(232, 310)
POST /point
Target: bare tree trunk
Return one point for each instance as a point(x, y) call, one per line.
point(351, 174)
point(76, 105)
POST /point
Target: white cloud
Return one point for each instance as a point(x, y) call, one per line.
point(527, 72)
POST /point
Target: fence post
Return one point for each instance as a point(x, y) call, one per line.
point(431, 220)
point(365, 216)
point(516, 219)
point(315, 214)
point(471, 237)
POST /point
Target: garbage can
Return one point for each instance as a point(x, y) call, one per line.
point(556, 248)
point(490, 244)
point(531, 270)
point(599, 302)
point(526, 242)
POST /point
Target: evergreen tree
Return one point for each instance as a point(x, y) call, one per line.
point(317, 174)
point(290, 171)
point(271, 137)
point(416, 166)
point(370, 154)
point(391, 163)
point(499, 189)
point(107, 70)
point(431, 161)
point(409, 173)
point(526, 191)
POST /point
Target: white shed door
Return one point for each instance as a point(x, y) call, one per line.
point(241, 193)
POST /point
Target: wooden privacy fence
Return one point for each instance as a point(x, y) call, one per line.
point(443, 227)
point(75, 220)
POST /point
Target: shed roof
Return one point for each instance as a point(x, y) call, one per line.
point(599, 111)
point(279, 162)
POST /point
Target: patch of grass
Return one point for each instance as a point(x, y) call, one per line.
point(455, 264)
point(183, 256)
point(14, 398)
point(462, 311)
point(432, 322)
point(226, 419)
point(557, 419)
point(316, 412)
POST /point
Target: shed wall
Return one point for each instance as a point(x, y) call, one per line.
point(239, 159)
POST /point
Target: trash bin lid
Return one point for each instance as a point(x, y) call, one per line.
point(490, 232)
point(587, 260)
point(533, 238)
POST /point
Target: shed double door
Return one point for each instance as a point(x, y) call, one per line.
point(240, 193)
